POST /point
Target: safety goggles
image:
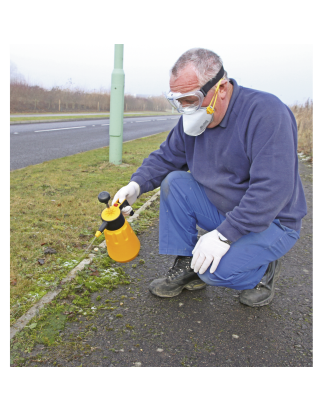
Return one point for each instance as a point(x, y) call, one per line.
point(188, 103)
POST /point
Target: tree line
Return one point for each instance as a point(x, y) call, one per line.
point(29, 98)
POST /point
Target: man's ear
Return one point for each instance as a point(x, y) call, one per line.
point(223, 89)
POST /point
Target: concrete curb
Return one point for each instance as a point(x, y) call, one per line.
point(24, 319)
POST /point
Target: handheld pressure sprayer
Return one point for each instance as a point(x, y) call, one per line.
point(122, 243)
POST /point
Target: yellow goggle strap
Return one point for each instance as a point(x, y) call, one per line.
point(210, 108)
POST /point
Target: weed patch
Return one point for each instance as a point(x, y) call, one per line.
point(74, 303)
point(54, 205)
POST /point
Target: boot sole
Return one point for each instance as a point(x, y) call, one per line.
point(174, 293)
point(270, 298)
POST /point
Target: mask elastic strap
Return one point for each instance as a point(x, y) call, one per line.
point(210, 108)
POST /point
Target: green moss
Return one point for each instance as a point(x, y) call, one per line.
point(50, 331)
point(82, 301)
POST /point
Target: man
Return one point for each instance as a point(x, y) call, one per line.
point(240, 146)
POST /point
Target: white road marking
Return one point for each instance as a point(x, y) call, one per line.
point(15, 133)
point(57, 129)
point(142, 121)
point(105, 124)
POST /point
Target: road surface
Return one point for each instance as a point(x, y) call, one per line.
point(35, 143)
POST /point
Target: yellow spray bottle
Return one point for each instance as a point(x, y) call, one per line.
point(122, 243)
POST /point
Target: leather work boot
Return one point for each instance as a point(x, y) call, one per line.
point(264, 292)
point(180, 276)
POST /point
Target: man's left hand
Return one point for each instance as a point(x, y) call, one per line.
point(209, 249)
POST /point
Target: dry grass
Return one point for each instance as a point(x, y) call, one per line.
point(304, 117)
point(54, 204)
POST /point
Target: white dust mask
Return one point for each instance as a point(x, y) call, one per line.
point(195, 124)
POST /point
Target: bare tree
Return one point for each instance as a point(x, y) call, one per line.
point(25, 97)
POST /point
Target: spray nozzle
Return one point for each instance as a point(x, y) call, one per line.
point(103, 227)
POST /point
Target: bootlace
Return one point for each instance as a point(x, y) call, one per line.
point(261, 284)
point(178, 267)
point(267, 277)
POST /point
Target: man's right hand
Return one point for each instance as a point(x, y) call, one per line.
point(129, 193)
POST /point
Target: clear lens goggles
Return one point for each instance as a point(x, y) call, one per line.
point(186, 103)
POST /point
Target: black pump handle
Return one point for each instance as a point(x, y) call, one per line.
point(104, 197)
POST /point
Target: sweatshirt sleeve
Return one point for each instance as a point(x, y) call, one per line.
point(270, 145)
point(169, 157)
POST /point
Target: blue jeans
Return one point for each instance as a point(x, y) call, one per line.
point(183, 204)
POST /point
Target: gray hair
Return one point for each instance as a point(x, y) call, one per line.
point(205, 63)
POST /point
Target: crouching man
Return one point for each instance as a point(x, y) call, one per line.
point(243, 185)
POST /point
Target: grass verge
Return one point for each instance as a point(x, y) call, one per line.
point(78, 117)
point(55, 214)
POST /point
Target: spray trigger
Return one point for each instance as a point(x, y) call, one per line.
point(126, 204)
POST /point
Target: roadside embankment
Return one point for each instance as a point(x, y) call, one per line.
point(55, 213)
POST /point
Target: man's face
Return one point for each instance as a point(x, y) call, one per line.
point(187, 82)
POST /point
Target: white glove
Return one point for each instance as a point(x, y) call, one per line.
point(129, 193)
point(209, 248)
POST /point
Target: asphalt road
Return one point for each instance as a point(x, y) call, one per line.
point(35, 143)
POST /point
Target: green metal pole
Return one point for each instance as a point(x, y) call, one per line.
point(116, 107)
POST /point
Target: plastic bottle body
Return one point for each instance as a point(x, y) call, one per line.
point(122, 244)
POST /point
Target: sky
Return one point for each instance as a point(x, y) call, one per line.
point(285, 70)
point(266, 46)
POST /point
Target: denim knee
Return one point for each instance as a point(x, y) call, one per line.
point(169, 179)
point(206, 278)
point(220, 281)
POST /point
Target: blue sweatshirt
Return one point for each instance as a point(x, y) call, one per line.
point(247, 164)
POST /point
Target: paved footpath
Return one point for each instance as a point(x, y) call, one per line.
point(205, 328)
